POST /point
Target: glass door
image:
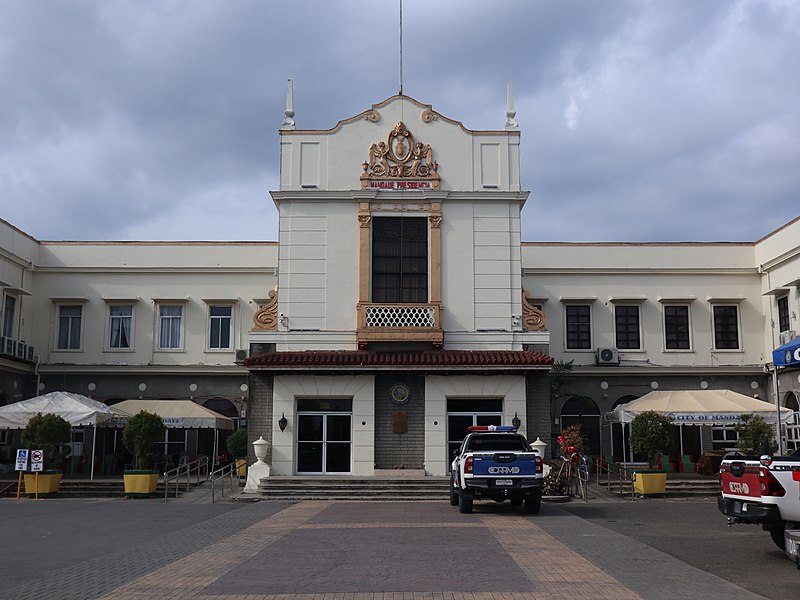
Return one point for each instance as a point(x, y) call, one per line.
point(324, 437)
point(466, 412)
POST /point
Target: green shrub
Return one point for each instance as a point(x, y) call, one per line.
point(141, 434)
point(753, 432)
point(47, 432)
point(237, 444)
point(651, 433)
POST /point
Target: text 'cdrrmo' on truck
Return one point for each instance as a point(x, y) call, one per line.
point(764, 491)
point(496, 463)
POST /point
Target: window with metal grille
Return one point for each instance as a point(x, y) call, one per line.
point(579, 326)
point(626, 319)
point(726, 327)
point(783, 313)
point(676, 327)
point(399, 260)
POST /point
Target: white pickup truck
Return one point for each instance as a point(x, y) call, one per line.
point(764, 491)
point(497, 463)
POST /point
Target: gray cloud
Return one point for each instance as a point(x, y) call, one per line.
point(640, 120)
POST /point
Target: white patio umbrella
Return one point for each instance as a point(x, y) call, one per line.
point(76, 409)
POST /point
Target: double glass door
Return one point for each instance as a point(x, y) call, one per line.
point(324, 436)
point(463, 413)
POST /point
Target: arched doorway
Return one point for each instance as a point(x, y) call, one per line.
point(205, 439)
point(790, 401)
point(583, 411)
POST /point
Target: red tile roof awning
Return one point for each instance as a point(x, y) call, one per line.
point(494, 360)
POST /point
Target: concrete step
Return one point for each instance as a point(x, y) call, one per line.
point(356, 488)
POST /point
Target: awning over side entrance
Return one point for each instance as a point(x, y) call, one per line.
point(787, 355)
point(176, 413)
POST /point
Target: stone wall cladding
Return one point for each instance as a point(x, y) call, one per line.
point(399, 450)
point(259, 413)
point(537, 402)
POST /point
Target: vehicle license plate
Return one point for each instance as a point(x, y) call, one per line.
point(744, 506)
point(499, 482)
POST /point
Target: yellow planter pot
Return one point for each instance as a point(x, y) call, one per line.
point(649, 484)
point(241, 467)
point(140, 484)
point(48, 482)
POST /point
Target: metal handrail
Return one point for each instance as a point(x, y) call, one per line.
point(622, 474)
point(176, 474)
point(226, 471)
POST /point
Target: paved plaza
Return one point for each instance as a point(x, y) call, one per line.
point(315, 550)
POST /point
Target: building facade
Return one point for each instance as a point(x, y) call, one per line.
point(398, 306)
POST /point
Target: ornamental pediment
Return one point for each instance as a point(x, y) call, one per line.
point(400, 163)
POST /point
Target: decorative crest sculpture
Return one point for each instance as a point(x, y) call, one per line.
point(400, 163)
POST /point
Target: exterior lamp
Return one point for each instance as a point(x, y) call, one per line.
point(515, 421)
point(282, 422)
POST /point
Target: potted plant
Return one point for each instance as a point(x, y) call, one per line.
point(237, 448)
point(45, 432)
point(142, 432)
point(651, 434)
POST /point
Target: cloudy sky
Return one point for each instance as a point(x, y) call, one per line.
point(641, 120)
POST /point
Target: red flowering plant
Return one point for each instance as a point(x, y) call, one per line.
point(571, 441)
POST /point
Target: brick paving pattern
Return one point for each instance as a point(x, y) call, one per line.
point(318, 550)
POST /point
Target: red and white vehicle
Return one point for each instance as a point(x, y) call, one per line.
point(763, 491)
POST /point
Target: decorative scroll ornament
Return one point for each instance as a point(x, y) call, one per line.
point(266, 318)
point(400, 163)
point(373, 116)
point(428, 116)
point(532, 315)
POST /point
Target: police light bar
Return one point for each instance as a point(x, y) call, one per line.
point(491, 428)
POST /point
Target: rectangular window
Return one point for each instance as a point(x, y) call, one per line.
point(724, 437)
point(120, 326)
point(726, 327)
point(170, 326)
point(783, 314)
point(676, 327)
point(579, 326)
point(626, 321)
point(400, 260)
point(220, 321)
point(9, 308)
point(69, 326)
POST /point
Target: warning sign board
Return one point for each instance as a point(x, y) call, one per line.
point(22, 459)
point(37, 460)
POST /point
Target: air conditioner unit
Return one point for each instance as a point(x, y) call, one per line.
point(9, 347)
point(241, 355)
point(607, 356)
point(30, 356)
point(787, 336)
point(22, 350)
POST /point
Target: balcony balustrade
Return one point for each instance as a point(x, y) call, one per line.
point(399, 323)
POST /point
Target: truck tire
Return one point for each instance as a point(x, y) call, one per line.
point(533, 504)
point(464, 503)
point(453, 495)
point(776, 533)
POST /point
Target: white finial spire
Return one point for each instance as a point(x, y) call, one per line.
point(288, 114)
point(511, 122)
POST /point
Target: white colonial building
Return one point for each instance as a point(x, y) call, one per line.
point(398, 306)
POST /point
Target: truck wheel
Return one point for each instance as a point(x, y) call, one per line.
point(533, 504)
point(453, 495)
point(776, 533)
point(464, 503)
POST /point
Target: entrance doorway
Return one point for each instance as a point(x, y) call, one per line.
point(324, 436)
point(583, 411)
point(466, 412)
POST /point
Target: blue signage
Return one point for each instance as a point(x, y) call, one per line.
point(787, 355)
